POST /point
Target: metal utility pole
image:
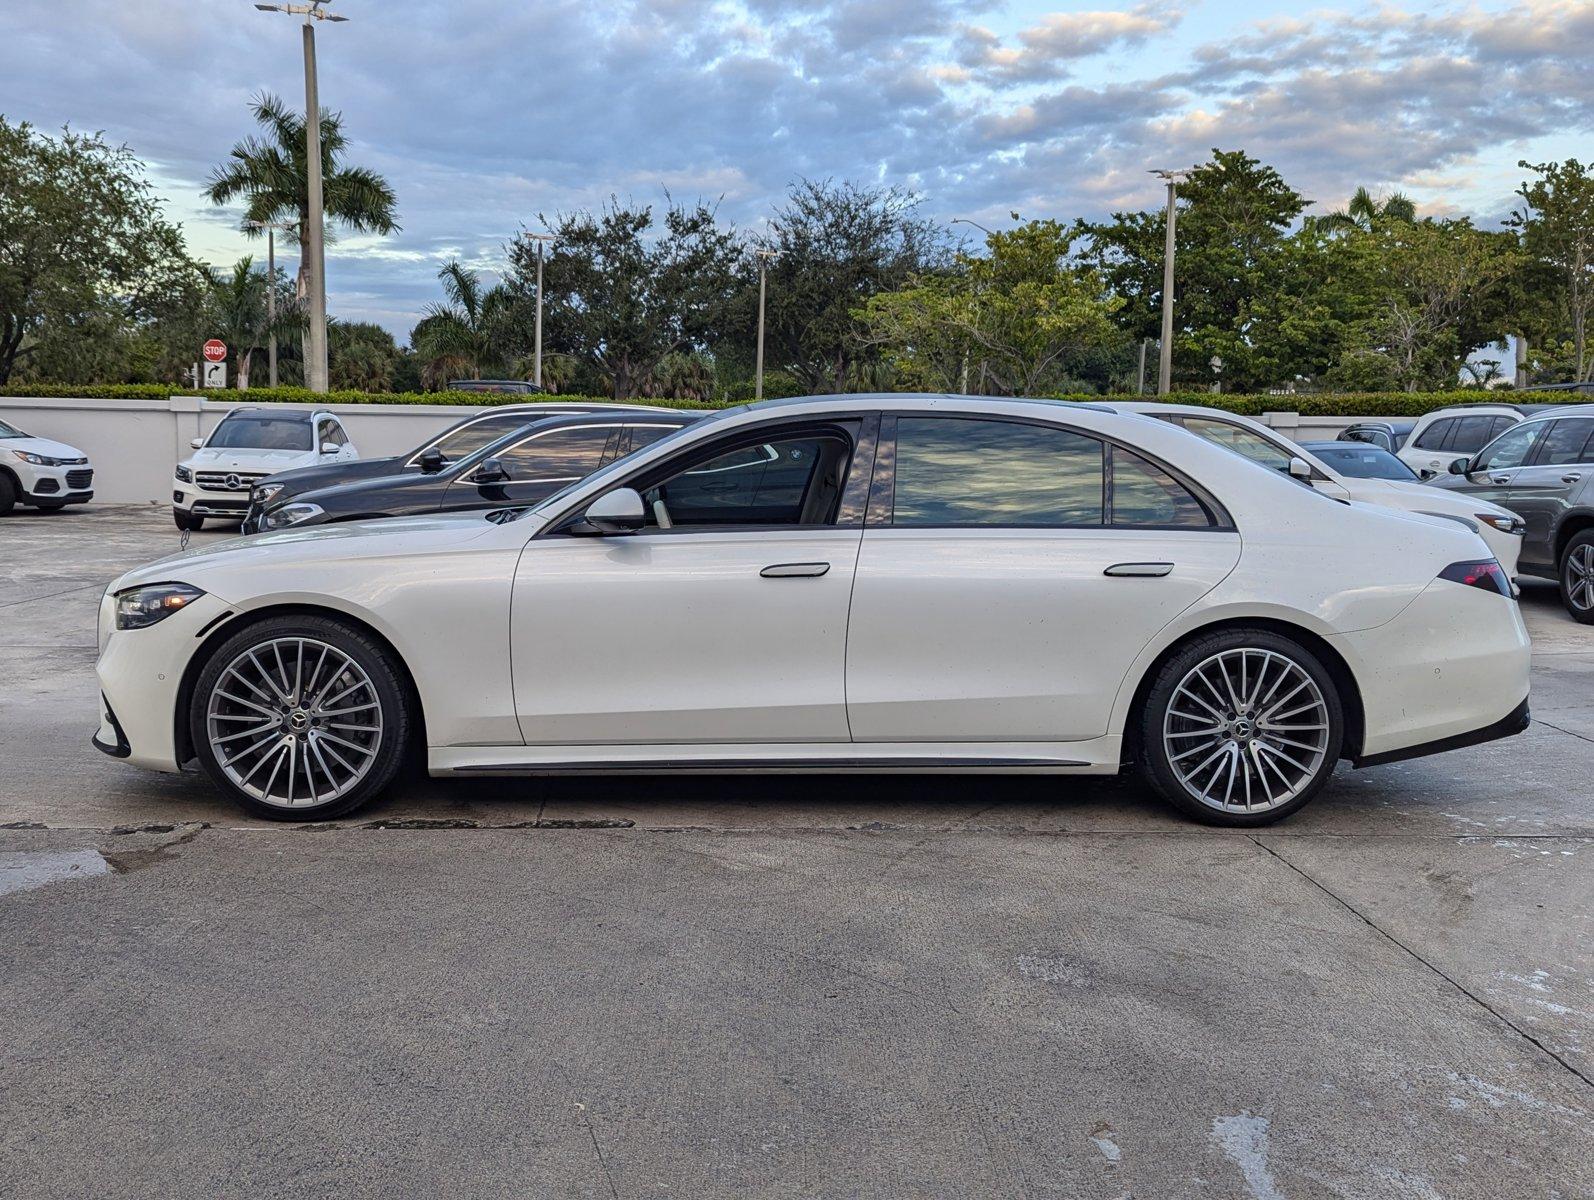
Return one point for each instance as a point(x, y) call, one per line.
point(1165, 356)
point(315, 346)
point(758, 369)
point(271, 228)
point(1140, 377)
point(536, 353)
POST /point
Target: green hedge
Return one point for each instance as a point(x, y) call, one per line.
point(1326, 404)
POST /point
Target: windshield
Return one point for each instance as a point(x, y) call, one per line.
point(10, 431)
point(1361, 461)
point(261, 433)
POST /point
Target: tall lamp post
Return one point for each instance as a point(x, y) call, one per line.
point(536, 370)
point(271, 228)
point(758, 368)
point(1165, 355)
point(963, 379)
point(315, 366)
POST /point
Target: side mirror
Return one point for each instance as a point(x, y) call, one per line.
point(491, 471)
point(1460, 466)
point(1300, 469)
point(431, 461)
point(329, 447)
point(196, 443)
point(619, 511)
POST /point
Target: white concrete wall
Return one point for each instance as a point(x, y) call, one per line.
point(134, 444)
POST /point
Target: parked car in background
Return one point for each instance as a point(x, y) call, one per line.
point(1388, 434)
point(247, 445)
point(834, 583)
point(522, 467)
point(42, 473)
point(1499, 528)
point(464, 437)
point(1361, 460)
point(514, 386)
point(1543, 469)
point(1454, 434)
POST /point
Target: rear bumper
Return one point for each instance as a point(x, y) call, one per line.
point(1513, 723)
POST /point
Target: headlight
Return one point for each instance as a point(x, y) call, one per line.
point(289, 514)
point(38, 460)
point(266, 493)
point(184, 475)
point(140, 607)
point(1504, 522)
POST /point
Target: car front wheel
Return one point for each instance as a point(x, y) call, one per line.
point(1241, 728)
point(1577, 577)
point(300, 718)
point(187, 523)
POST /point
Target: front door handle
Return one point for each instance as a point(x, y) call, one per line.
point(1144, 570)
point(1570, 477)
point(1499, 479)
point(794, 570)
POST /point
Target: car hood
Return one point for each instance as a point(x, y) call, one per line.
point(345, 541)
point(299, 479)
point(337, 492)
point(248, 458)
point(1419, 497)
point(45, 446)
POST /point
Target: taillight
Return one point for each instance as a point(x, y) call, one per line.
point(1485, 573)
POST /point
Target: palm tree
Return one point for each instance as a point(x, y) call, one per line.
point(270, 175)
point(238, 307)
point(1364, 209)
point(458, 339)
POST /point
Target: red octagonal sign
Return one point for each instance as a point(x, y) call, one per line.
point(215, 350)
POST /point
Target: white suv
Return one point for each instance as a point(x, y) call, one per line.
point(48, 475)
point(248, 445)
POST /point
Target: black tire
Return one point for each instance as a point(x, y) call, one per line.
point(187, 523)
point(387, 749)
point(1248, 737)
point(1576, 566)
point(8, 494)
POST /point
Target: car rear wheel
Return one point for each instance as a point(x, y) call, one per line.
point(1241, 728)
point(187, 523)
point(300, 718)
point(8, 494)
point(1577, 577)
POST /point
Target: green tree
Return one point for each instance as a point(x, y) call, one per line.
point(462, 338)
point(1556, 227)
point(1365, 210)
point(622, 290)
point(238, 315)
point(85, 255)
point(270, 174)
point(835, 246)
point(362, 356)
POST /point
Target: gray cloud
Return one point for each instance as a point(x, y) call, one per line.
point(485, 113)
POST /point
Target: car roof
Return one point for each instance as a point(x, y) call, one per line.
point(276, 414)
point(1395, 423)
point(1339, 447)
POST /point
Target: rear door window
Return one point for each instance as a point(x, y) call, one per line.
point(963, 471)
point(1433, 438)
point(1471, 435)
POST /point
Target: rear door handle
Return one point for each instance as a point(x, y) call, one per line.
point(1140, 569)
point(1571, 477)
point(794, 570)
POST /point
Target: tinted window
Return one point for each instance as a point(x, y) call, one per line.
point(972, 472)
point(332, 432)
point(1472, 434)
point(645, 435)
point(10, 431)
point(1242, 441)
point(786, 481)
point(473, 437)
point(559, 454)
point(1372, 437)
point(1364, 462)
point(1509, 449)
point(1434, 436)
point(261, 433)
point(1144, 494)
point(1500, 425)
point(1565, 442)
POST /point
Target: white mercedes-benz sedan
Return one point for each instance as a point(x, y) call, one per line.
point(839, 583)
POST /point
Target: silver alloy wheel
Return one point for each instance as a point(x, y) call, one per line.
point(1246, 730)
point(1580, 577)
point(294, 722)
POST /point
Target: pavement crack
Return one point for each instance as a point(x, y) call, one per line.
point(1437, 970)
point(1558, 729)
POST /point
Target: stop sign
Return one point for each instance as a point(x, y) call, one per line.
point(215, 350)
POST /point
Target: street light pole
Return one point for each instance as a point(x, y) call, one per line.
point(314, 243)
point(758, 369)
point(1165, 351)
point(271, 228)
point(536, 370)
point(963, 375)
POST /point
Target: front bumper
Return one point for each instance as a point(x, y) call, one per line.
point(201, 502)
point(140, 674)
point(69, 484)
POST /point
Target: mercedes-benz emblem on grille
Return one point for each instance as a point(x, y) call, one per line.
point(233, 483)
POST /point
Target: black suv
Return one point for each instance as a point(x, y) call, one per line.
point(1543, 470)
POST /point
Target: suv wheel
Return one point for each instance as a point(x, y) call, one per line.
point(187, 523)
point(1241, 728)
point(8, 494)
point(1577, 577)
point(300, 718)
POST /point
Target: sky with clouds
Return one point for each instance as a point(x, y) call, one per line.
point(485, 113)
